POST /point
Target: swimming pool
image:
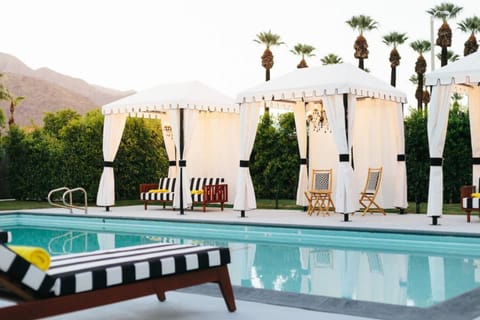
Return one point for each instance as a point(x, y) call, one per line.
point(402, 269)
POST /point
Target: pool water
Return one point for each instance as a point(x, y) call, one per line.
point(393, 268)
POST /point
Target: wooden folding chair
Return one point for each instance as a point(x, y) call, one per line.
point(369, 193)
point(320, 194)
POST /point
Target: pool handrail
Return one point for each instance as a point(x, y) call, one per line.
point(69, 205)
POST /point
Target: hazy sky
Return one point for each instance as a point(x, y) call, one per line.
point(137, 44)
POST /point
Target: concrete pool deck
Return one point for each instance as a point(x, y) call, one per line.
point(204, 302)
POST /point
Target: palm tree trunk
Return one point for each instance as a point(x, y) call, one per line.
point(420, 89)
point(360, 64)
point(11, 121)
point(267, 78)
point(393, 77)
point(444, 56)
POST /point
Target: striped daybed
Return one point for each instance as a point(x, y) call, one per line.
point(203, 190)
point(468, 202)
point(80, 281)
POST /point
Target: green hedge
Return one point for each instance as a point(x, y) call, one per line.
point(68, 152)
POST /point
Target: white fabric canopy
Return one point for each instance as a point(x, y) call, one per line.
point(337, 87)
point(167, 132)
point(437, 132)
point(400, 199)
point(474, 111)
point(344, 195)
point(112, 135)
point(245, 198)
point(314, 82)
point(301, 126)
point(154, 103)
point(189, 95)
point(463, 76)
point(190, 122)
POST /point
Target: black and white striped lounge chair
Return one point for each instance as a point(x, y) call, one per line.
point(213, 190)
point(80, 281)
point(468, 202)
point(167, 184)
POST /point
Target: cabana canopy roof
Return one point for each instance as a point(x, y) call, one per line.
point(466, 70)
point(323, 80)
point(185, 95)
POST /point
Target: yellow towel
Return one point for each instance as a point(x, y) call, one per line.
point(36, 256)
point(475, 195)
point(197, 191)
point(157, 190)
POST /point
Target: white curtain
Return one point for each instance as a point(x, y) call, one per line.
point(301, 127)
point(190, 118)
point(112, 135)
point(437, 131)
point(345, 200)
point(400, 185)
point(245, 197)
point(169, 145)
point(474, 110)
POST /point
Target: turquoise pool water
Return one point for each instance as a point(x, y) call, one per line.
point(403, 269)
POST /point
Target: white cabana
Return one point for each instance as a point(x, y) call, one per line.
point(188, 112)
point(461, 76)
point(347, 93)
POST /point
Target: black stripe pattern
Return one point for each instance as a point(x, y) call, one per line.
point(83, 272)
point(5, 236)
point(164, 183)
point(471, 203)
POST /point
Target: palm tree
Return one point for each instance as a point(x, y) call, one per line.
point(394, 39)
point(361, 23)
point(471, 25)
point(3, 96)
point(331, 58)
point(451, 56)
point(14, 101)
point(444, 11)
point(425, 95)
point(303, 50)
point(268, 39)
point(420, 46)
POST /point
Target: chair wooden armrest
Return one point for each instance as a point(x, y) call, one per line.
point(215, 193)
point(144, 187)
point(466, 191)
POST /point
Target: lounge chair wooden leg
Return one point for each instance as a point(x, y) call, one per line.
point(161, 296)
point(226, 289)
point(468, 215)
point(145, 205)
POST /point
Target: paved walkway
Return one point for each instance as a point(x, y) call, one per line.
point(185, 305)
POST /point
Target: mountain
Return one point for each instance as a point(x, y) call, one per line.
point(46, 90)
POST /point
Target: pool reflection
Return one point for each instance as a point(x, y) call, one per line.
point(410, 280)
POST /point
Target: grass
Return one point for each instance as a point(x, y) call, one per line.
point(283, 204)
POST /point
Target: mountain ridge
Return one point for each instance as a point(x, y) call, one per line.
point(46, 90)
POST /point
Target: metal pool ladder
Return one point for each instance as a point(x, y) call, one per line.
point(68, 205)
